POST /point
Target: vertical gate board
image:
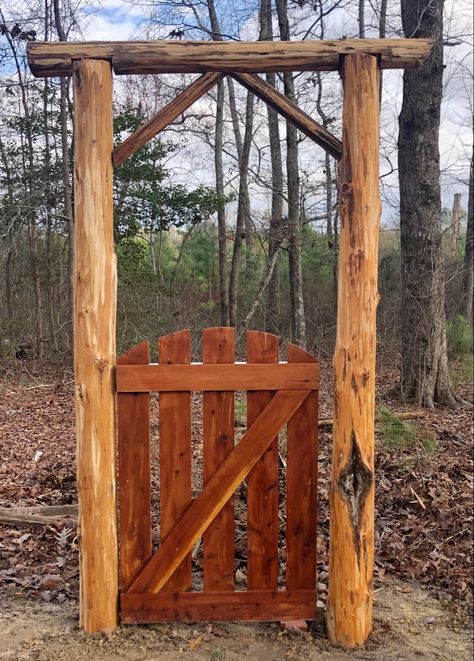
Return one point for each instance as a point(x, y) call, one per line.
point(218, 346)
point(134, 494)
point(301, 476)
point(175, 452)
point(262, 492)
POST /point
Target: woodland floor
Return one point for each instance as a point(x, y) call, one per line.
point(423, 540)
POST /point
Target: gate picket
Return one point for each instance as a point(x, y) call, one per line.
point(262, 493)
point(134, 495)
point(301, 477)
point(218, 346)
point(175, 452)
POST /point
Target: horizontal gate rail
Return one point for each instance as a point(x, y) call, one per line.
point(208, 377)
point(250, 605)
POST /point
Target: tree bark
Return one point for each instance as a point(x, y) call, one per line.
point(276, 213)
point(468, 271)
point(297, 315)
point(243, 210)
point(351, 540)
point(221, 224)
point(424, 361)
point(219, 168)
point(10, 232)
point(361, 19)
point(66, 167)
point(455, 222)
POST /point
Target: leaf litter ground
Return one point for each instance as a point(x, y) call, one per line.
point(423, 526)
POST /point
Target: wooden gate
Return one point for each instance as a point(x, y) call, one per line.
point(156, 585)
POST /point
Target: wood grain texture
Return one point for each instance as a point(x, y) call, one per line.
point(218, 606)
point(262, 483)
point(218, 346)
point(351, 551)
point(301, 487)
point(175, 453)
point(94, 315)
point(165, 116)
point(198, 377)
point(217, 491)
point(291, 112)
point(134, 475)
point(131, 57)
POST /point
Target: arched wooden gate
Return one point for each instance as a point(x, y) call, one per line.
point(156, 586)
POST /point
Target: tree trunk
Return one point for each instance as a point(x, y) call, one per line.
point(297, 316)
point(31, 192)
point(243, 210)
point(455, 222)
point(382, 33)
point(424, 361)
point(10, 233)
point(221, 224)
point(468, 271)
point(361, 19)
point(276, 213)
point(66, 168)
point(219, 169)
point(244, 197)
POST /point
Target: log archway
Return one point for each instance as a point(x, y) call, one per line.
point(352, 482)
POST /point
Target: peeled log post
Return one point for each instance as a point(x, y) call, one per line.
point(94, 344)
point(351, 550)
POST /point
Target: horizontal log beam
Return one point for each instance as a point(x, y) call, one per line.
point(198, 377)
point(165, 116)
point(248, 605)
point(138, 57)
point(291, 112)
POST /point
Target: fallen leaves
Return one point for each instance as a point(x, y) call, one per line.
point(423, 500)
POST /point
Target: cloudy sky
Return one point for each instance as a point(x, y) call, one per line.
point(125, 19)
point(118, 19)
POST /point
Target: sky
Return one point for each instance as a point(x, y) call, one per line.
point(120, 19)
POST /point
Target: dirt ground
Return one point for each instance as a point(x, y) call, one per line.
point(409, 624)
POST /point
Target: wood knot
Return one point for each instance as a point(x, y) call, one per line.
point(354, 484)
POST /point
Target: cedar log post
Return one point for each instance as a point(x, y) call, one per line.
point(351, 546)
point(94, 344)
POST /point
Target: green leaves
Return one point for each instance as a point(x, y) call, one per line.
point(145, 198)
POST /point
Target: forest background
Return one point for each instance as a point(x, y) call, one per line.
point(230, 216)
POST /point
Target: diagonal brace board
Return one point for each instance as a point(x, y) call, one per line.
point(291, 112)
point(165, 116)
point(217, 491)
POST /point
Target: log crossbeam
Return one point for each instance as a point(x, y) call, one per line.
point(279, 102)
point(48, 59)
point(291, 112)
point(164, 117)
